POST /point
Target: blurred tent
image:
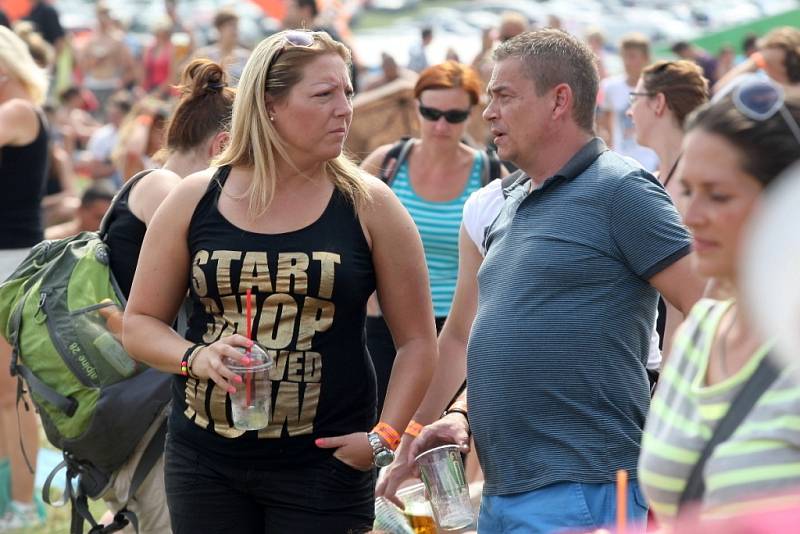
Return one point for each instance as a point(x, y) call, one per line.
point(386, 114)
point(713, 42)
point(15, 9)
point(380, 116)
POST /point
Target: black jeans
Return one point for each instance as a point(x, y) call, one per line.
point(324, 496)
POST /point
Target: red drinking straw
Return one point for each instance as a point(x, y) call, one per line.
point(248, 319)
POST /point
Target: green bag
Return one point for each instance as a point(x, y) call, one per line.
point(61, 312)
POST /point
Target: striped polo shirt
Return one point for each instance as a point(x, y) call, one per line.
point(762, 456)
point(556, 357)
point(438, 224)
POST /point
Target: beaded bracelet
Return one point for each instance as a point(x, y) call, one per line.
point(185, 360)
point(413, 429)
point(389, 434)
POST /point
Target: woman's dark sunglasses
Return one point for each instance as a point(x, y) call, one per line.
point(453, 116)
point(292, 38)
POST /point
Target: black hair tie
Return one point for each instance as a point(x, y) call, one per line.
point(215, 87)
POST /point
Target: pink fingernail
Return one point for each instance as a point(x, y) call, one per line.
point(319, 442)
point(246, 360)
point(231, 389)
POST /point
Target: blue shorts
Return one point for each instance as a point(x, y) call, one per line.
point(565, 506)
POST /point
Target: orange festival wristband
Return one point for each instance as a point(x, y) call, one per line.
point(389, 434)
point(413, 429)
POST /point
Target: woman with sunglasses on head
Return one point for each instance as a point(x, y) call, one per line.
point(734, 149)
point(286, 218)
point(667, 92)
point(433, 180)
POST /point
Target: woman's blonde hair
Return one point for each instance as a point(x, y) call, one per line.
point(274, 68)
point(17, 61)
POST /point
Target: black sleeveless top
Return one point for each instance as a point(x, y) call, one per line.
point(124, 238)
point(23, 172)
point(310, 289)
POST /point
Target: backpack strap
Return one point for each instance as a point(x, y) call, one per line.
point(511, 180)
point(78, 497)
point(394, 158)
point(108, 217)
point(763, 377)
point(492, 167)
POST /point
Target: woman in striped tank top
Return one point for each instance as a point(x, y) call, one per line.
point(433, 182)
point(734, 149)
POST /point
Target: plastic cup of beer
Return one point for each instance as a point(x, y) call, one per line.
point(417, 509)
point(250, 404)
point(442, 472)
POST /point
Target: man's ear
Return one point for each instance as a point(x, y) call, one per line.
point(562, 100)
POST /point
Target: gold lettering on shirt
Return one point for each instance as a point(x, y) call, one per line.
point(317, 316)
point(222, 426)
point(295, 366)
point(190, 391)
point(279, 357)
point(224, 259)
point(312, 370)
point(199, 404)
point(289, 410)
point(328, 261)
point(198, 276)
point(276, 325)
point(292, 267)
point(255, 273)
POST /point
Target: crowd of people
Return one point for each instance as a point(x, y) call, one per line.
point(523, 295)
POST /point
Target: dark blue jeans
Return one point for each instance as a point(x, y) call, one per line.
point(325, 496)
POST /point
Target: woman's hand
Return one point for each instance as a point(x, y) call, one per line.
point(208, 362)
point(452, 429)
point(352, 449)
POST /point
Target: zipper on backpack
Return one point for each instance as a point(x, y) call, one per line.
point(41, 316)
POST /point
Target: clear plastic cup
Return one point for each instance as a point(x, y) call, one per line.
point(250, 404)
point(417, 509)
point(442, 472)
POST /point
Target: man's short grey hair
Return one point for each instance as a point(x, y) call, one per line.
point(551, 57)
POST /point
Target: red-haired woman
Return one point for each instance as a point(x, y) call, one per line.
point(433, 181)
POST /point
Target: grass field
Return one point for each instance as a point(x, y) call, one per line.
point(378, 19)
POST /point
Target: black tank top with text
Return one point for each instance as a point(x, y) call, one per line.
point(310, 288)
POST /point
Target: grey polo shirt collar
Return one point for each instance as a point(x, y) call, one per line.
point(582, 159)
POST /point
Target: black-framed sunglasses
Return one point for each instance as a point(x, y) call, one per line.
point(453, 116)
point(292, 38)
point(633, 95)
point(760, 99)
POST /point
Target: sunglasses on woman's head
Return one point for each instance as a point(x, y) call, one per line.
point(299, 38)
point(760, 99)
point(453, 116)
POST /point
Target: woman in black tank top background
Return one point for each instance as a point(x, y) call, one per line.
point(286, 215)
point(23, 170)
point(196, 133)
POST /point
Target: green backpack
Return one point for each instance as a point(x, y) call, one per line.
point(61, 312)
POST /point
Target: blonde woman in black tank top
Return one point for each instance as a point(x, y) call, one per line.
point(23, 169)
point(286, 215)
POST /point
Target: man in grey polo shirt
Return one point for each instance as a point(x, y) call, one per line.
point(567, 297)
